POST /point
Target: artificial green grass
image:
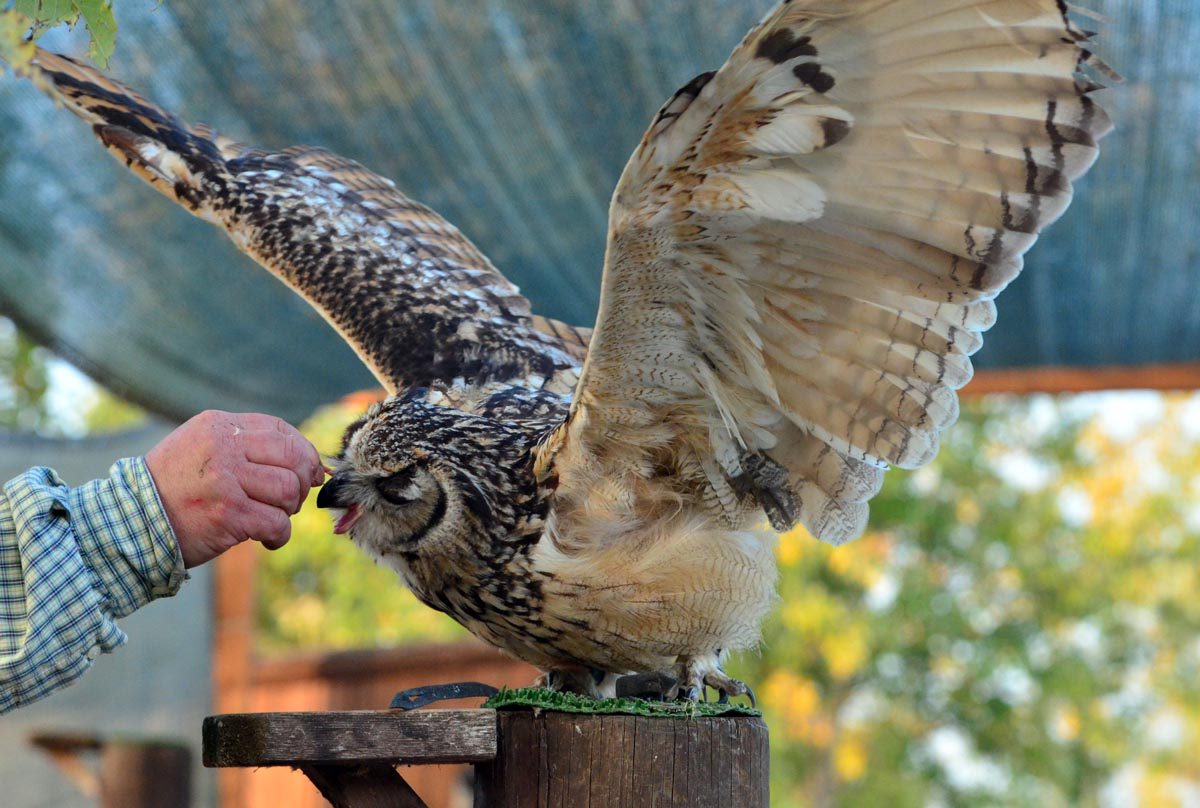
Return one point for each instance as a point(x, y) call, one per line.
point(539, 698)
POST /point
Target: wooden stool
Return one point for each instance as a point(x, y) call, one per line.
point(522, 758)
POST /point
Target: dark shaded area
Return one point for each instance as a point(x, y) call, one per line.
point(514, 119)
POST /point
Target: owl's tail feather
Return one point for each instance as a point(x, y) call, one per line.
point(152, 142)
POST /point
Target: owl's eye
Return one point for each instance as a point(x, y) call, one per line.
point(399, 488)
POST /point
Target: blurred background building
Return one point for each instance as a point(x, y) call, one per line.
point(1019, 627)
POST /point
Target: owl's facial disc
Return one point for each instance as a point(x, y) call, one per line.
point(413, 500)
point(401, 505)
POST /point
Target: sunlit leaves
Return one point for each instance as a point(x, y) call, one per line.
point(26, 20)
point(15, 49)
point(98, 16)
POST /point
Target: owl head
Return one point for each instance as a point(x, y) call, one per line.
point(412, 474)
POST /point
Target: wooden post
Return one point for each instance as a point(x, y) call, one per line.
point(523, 759)
point(145, 775)
point(566, 760)
point(130, 773)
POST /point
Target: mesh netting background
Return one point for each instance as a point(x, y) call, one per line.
point(514, 119)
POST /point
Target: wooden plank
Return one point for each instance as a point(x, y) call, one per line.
point(701, 793)
point(582, 742)
point(363, 787)
point(681, 784)
point(366, 736)
point(558, 765)
point(763, 763)
point(654, 761)
point(1184, 376)
point(604, 784)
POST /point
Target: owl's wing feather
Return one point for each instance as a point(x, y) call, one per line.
point(804, 249)
point(410, 293)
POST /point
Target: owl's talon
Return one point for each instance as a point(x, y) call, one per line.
point(690, 693)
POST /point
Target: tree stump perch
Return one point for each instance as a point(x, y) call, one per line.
point(568, 760)
point(524, 759)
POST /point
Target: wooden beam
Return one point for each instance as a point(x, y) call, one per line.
point(233, 649)
point(363, 787)
point(349, 737)
point(1084, 380)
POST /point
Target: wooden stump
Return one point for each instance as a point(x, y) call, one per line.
point(523, 759)
point(566, 760)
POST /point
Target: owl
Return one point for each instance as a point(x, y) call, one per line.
point(803, 252)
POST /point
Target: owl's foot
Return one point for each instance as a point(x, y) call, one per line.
point(579, 680)
point(697, 674)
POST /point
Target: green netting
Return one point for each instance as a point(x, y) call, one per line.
point(513, 118)
point(539, 698)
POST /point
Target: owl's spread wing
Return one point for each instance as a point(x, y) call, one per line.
point(804, 250)
point(409, 292)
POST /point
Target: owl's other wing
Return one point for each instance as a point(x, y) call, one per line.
point(804, 250)
point(410, 293)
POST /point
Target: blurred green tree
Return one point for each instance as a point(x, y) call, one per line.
point(27, 401)
point(1018, 626)
point(24, 382)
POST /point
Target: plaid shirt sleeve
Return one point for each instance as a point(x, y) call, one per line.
point(72, 560)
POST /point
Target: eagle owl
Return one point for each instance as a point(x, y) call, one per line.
point(802, 254)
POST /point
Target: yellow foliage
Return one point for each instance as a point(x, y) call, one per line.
point(841, 561)
point(1067, 724)
point(850, 759)
point(820, 732)
point(14, 48)
point(799, 701)
point(968, 511)
point(846, 650)
point(813, 613)
point(788, 550)
point(1158, 790)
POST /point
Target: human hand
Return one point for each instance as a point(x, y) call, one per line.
point(224, 478)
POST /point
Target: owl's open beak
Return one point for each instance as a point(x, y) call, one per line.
point(334, 495)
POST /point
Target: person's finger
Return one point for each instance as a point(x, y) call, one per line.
point(265, 524)
point(287, 450)
point(273, 485)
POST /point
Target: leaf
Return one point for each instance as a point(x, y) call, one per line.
point(46, 13)
point(14, 49)
point(98, 16)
